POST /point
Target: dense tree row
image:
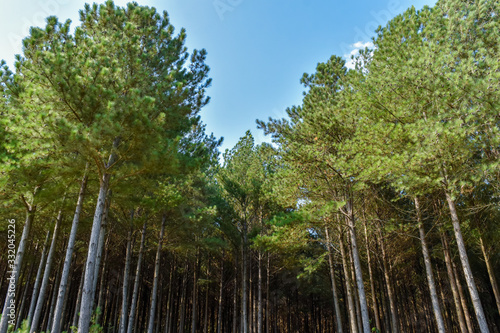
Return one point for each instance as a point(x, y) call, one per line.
point(375, 209)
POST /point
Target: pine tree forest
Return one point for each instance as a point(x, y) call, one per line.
point(376, 208)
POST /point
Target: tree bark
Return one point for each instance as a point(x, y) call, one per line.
point(183, 299)
point(491, 274)
point(155, 280)
point(334, 285)
point(476, 302)
point(372, 283)
point(76, 315)
point(56, 324)
point(235, 296)
point(38, 279)
point(207, 294)
point(428, 269)
point(14, 272)
point(390, 292)
point(88, 284)
point(357, 268)
point(453, 285)
point(268, 296)
point(221, 286)
point(46, 276)
point(135, 293)
point(126, 278)
point(244, 301)
point(53, 298)
point(350, 302)
point(259, 282)
point(463, 300)
point(24, 297)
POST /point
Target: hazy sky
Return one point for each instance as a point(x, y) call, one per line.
point(257, 49)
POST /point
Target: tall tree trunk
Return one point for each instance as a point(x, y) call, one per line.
point(221, 286)
point(336, 306)
point(8, 316)
point(476, 302)
point(259, 311)
point(76, 315)
point(169, 299)
point(38, 279)
point(268, 296)
point(354, 292)
point(357, 268)
point(53, 298)
point(453, 284)
point(102, 287)
point(350, 302)
point(24, 297)
point(194, 318)
point(56, 324)
point(244, 292)
point(372, 282)
point(88, 283)
point(235, 296)
point(182, 306)
point(390, 292)
point(428, 269)
point(207, 294)
point(491, 274)
point(126, 278)
point(463, 299)
point(46, 275)
point(135, 293)
point(100, 248)
point(154, 292)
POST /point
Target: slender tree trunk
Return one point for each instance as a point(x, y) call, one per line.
point(268, 296)
point(453, 285)
point(357, 268)
point(88, 284)
point(24, 297)
point(133, 305)
point(53, 298)
point(463, 299)
point(207, 293)
point(66, 307)
point(259, 282)
point(334, 286)
point(354, 292)
point(102, 287)
point(100, 248)
point(372, 283)
point(244, 292)
point(221, 286)
point(56, 324)
point(78, 301)
point(476, 302)
point(38, 279)
point(169, 299)
point(8, 317)
point(46, 276)
point(154, 293)
point(183, 300)
point(126, 278)
point(350, 303)
point(491, 274)
point(390, 292)
point(235, 297)
point(428, 269)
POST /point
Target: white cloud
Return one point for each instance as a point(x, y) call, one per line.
point(355, 50)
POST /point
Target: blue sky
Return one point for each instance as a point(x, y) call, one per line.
point(257, 49)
